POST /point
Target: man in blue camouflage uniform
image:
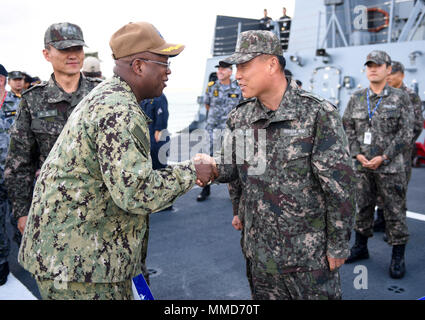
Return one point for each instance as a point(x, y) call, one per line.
point(9, 102)
point(221, 97)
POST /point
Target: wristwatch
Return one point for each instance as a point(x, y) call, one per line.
point(385, 160)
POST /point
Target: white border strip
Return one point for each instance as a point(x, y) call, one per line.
point(414, 215)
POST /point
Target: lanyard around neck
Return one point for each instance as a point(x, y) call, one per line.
point(368, 107)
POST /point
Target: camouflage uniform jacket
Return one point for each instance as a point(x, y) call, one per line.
point(221, 99)
point(7, 117)
point(301, 208)
point(95, 189)
point(391, 127)
point(43, 112)
point(416, 102)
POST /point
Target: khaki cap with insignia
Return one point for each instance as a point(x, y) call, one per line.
point(137, 37)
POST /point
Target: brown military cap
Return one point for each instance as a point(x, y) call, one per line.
point(137, 37)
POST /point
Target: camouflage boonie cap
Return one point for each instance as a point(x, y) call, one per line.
point(64, 35)
point(397, 67)
point(378, 57)
point(254, 43)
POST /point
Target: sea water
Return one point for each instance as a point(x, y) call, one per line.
point(182, 109)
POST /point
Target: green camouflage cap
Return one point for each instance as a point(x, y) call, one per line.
point(378, 57)
point(397, 67)
point(254, 43)
point(64, 35)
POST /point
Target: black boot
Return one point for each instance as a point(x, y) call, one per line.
point(4, 271)
point(359, 250)
point(397, 266)
point(379, 223)
point(204, 193)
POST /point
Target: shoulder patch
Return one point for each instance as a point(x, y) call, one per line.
point(137, 132)
point(40, 85)
point(211, 83)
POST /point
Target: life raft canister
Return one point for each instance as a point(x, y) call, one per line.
point(386, 18)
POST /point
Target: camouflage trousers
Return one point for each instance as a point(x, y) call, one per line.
point(5, 214)
point(391, 189)
point(58, 290)
point(313, 285)
point(408, 156)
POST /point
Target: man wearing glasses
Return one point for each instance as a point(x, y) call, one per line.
point(43, 112)
point(85, 230)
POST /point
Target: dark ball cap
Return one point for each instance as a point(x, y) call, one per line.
point(16, 75)
point(64, 35)
point(397, 67)
point(222, 64)
point(3, 71)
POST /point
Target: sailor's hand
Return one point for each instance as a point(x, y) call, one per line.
point(236, 223)
point(206, 170)
point(335, 263)
point(22, 221)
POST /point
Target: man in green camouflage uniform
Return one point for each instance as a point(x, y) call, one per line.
point(296, 191)
point(378, 121)
point(85, 229)
point(395, 79)
point(43, 112)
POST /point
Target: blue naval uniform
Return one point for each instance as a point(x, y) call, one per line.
point(222, 99)
point(7, 118)
point(157, 110)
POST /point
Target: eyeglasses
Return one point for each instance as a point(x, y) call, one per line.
point(167, 64)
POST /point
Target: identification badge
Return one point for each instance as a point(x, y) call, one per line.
point(367, 137)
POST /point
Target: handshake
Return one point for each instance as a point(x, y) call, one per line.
point(206, 169)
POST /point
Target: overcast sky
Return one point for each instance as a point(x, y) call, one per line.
point(191, 23)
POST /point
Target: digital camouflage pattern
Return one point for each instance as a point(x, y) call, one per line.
point(378, 57)
point(391, 127)
point(392, 133)
point(58, 290)
point(301, 208)
point(7, 117)
point(418, 122)
point(391, 189)
point(64, 35)
point(95, 189)
point(221, 99)
point(253, 43)
point(416, 104)
point(43, 112)
point(314, 285)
